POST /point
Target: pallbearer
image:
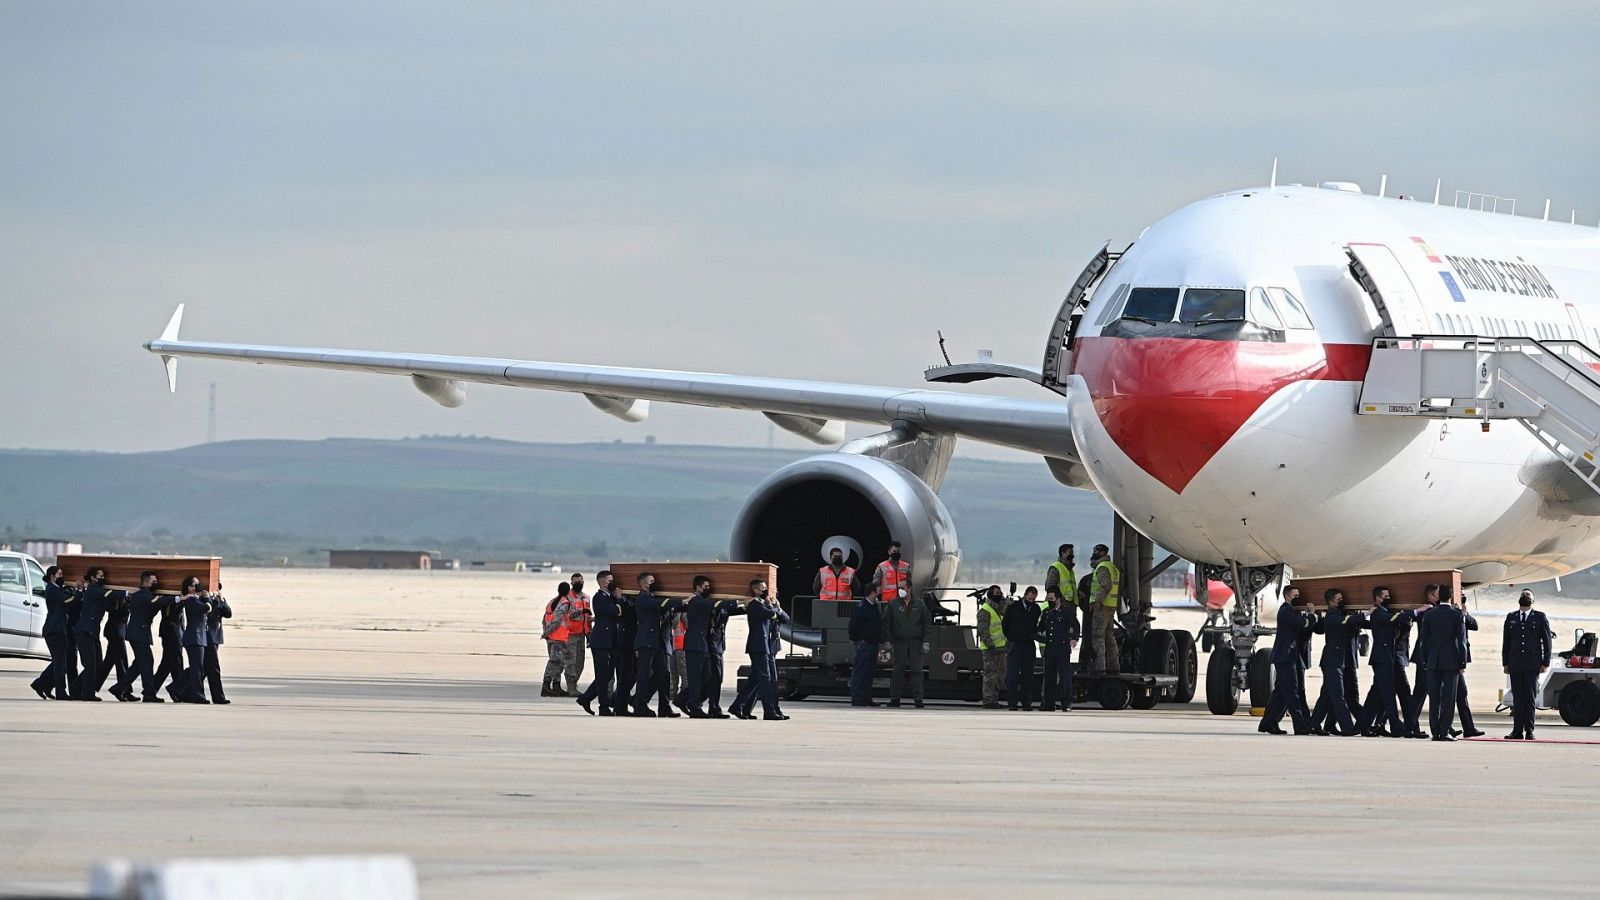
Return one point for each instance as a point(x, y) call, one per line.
point(55, 682)
point(603, 644)
point(143, 605)
point(213, 662)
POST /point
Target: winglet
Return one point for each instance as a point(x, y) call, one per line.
point(170, 333)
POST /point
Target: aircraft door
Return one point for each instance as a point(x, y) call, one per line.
point(1390, 288)
point(1057, 351)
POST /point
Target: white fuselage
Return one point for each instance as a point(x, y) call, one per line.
point(1251, 449)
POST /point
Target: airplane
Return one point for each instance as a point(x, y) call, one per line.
point(1261, 383)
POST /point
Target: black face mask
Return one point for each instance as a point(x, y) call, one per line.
point(1525, 604)
point(836, 562)
point(895, 556)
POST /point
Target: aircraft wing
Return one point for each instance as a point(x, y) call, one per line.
point(813, 409)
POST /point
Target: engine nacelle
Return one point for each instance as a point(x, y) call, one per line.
point(802, 507)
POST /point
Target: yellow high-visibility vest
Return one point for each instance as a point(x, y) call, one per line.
point(997, 634)
point(1112, 598)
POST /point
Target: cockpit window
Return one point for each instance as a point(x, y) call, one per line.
point(1202, 305)
point(1113, 306)
point(1262, 312)
point(1151, 304)
point(1294, 315)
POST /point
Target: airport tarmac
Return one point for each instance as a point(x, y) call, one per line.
point(399, 713)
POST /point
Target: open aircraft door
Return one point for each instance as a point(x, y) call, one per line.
point(1393, 294)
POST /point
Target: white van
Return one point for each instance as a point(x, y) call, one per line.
point(21, 606)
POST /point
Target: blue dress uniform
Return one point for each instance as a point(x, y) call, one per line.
point(1058, 628)
point(760, 645)
point(1445, 633)
point(1384, 702)
point(652, 648)
point(603, 645)
point(194, 637)
point(116, 635)
point(1288, 662)
point(624, 657)
point(697, 652)
point(1463, 709)
point(1524, 652)
point(866, 632)
point(170, 631)
point(92, 610)
point(57, 678)
point(1020, 622)
point(142, 608)
point(716, 647)
point(1419, 655)
point(219, 610)
point(1333, 711)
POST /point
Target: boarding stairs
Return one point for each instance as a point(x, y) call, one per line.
point(1551, 387)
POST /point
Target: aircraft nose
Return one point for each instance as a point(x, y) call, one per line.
point(1171, 404)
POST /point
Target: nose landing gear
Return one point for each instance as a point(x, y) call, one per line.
point(1236, 665)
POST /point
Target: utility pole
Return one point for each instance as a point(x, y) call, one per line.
point(211, 417)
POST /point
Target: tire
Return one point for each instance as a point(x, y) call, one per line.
point(1261, 678)
point(1222, 698)
point(1208, 642)
point(1579, 703)
point(1144, 699)
point(1113, 694)
point(1157, 655)
point(1188, 667)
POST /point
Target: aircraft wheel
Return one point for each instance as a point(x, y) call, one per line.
point(1188, 667)
point(1261, 678)
point(1114, 694)
point(1222, 698)
point(1579, 704)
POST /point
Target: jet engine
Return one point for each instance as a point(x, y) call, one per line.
point(845, 499)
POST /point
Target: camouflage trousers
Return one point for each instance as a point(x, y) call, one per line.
point(994, 674)
point(557, 652)
point(577, 650)
point(1107, 655)
point(679, 673)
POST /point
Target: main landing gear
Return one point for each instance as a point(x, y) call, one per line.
point(1236, 665)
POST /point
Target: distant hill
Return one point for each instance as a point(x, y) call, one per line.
point(270, 499)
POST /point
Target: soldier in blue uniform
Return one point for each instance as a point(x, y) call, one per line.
point(170, 670)
point(1384, 703)
point(603, 646)
point(1444, 633)
point(1463, 707)
point(1288, 662)
point(1332, 712)
point(57, 680)
point(1419, 688)
point(213, 663)
point(193, 637)
point(1525, 655)
point(93, 600)
point(1058, 632)
point(866, 633)
point(652, 648)
point(765, 614)
point(696, 641)
point(716, 647)
point(116, 635)
point(1020, 623)
point(142, 607)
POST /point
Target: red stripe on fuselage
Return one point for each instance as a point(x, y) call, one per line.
point(1171, 403)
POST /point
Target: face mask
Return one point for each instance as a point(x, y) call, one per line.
point(1525, 604)
point(836, 561)
point(895, 556)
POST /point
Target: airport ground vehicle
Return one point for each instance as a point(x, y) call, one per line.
point(1159, 668)
point(1572, 686)
point(21, 606)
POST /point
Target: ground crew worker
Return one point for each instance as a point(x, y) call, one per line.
point(555, 642)
point(835, 582)
point(679, 672)
point(892, 578)
point(1104, 596)
point(1021, 626)
point(1524, 654)
point(866, 632)
point(604, 644)
point(1060, 577)
point(1086, 610)
point(580, 622)
point(1058, 631)
point(908, 625)
point(992, 642)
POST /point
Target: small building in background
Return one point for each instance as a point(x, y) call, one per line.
point(45, 550)
point(381, 559)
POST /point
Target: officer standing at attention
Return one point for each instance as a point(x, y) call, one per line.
point(213, 661)
point(1021, 626)
point(1289, 668)
point(716, 646)
point(195, 607)
point(1332, 713)
point(603, 644)
point(1463, 707)
point(866, 632)
point(696, 644)
point(555, 635)
point(650, 648)
point(1058, 631)
point(580, 620)
point(1525, 655)
point(835, 582)
point(1104, 597)
point(56, 679)
point(892, 578)
point(765, 614)
point(142, 607)
point(992, 643)
point(92, 609)
point(908, 626)
point(1445, 636)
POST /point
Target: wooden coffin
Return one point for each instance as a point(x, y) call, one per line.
point(729, 580)
point(1405, 589)
point(123, 572)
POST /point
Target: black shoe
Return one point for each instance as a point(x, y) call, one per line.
point(40, 691)
point(587, 703)
point(643, 714)
point(740, 714)
point(894, 704)
point(775, 718)
point(1273, 730)
point(1011, 708)
point(201, 700)
point(1447, 739)
point(152, 698)
point(1528, 736)
point(1455, 733)
point(1319, 732)
point(223, 702)
point(1302, 733)
point(991, 705)
point(1474, 733)
point(667, 713)
point(918, 704)
point(93, 698)
point(605, 712)
point(544, 689)
point(1418, 735)
point(1515, 736)
point(717, 714)
point(63, 696)
point(697, 714)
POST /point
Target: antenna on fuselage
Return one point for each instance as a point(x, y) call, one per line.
point(1383, 185)
point(1438, 184)
point(1273, 183)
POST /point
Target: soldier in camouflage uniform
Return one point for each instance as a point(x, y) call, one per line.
point(992, 641)
point(555, 641)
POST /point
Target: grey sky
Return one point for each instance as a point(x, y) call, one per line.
point(805, 190)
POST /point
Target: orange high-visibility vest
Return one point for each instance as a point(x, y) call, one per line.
point(679, 629)
point(560, 634)
point(580, 620)
point(836, 587)
point(892, 578)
